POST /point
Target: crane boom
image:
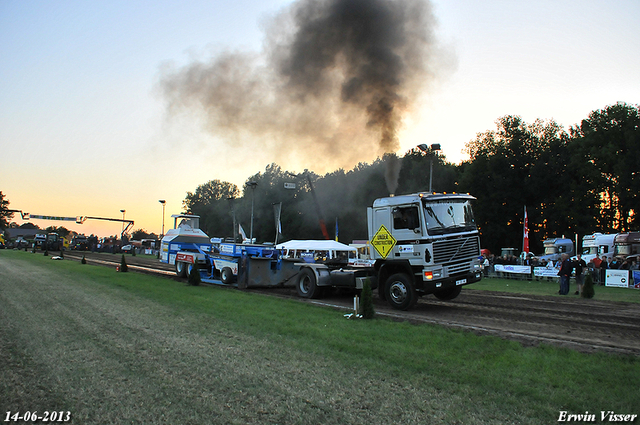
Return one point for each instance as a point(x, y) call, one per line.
point(77, 219)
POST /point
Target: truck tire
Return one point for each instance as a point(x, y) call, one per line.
point(306, 284)
point(181, 269)
point(400, 291)
point(448, 294)
point(226, 276)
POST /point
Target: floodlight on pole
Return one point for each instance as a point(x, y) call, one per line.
point(252, 185)
point(163, 202)
point(433, 149)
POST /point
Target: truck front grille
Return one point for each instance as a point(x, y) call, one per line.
point(456, 250)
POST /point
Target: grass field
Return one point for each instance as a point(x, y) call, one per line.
point(130, 348)
point(550, 288)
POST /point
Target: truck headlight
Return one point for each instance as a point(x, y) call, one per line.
point(432, 274)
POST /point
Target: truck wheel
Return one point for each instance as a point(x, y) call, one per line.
point(181, 269)
point(448, 294)
point(226, 275)
point(400, 292)
point(307, 286)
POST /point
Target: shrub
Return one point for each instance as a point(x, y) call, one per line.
point(84, 260)
point(194, 276)
point(587, 289)
point(46, 252)
point(366, 301)
point(123, 265)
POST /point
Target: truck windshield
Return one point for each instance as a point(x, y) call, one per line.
point(448, 216)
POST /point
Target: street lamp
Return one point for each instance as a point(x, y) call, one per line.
point(252, 185)
point(433, 149)
point(163, 202)
point(122, 211)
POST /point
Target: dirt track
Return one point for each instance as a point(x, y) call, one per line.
point(584, 325)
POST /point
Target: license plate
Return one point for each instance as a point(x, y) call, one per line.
point(461, 281)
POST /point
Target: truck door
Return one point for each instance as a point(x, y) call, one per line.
point(381, 218)
point(406, 228)
point(406, 223)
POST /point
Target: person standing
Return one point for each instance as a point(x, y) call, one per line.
point(580, 266)
point(596, 269)
point(604, 265)
point(566, 267)
point(485, 266)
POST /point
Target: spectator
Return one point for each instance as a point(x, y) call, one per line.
point(594, 266)
point(549, 266)
point(604, 265)
point(615, 263)
point(485, 266)
point(579, 266)
point(566, 267)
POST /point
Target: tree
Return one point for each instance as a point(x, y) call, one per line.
point(416, 172)
point(5, 214)
point(194, 278)
point(211, 202)
point(366, 303)
point(60, 230)
point(140, 234)
point(515, 165)
point(610, 144)
point(123, 265)
point(269, 190)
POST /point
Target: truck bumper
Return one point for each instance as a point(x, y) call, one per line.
point(431, 286)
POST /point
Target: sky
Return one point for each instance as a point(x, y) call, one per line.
point(84, 122)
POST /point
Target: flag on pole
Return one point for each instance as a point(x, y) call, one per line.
point(525, 242)
point(242, 233)
point(277, 212)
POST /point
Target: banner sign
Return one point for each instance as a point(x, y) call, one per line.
point(636, 279)
point(185, 258)
point(505, 268)
point(545, 272)
point(617, 278)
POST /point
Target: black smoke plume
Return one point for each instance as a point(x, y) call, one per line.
point(329, 90)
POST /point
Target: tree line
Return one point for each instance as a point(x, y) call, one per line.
point(576, 181)
point(579, 181)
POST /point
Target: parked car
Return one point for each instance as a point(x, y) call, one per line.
point(21, 243)
point(127, 248)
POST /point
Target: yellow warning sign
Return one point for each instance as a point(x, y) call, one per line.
point(383, 241)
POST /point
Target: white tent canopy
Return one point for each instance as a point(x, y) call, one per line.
point(315, 245)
